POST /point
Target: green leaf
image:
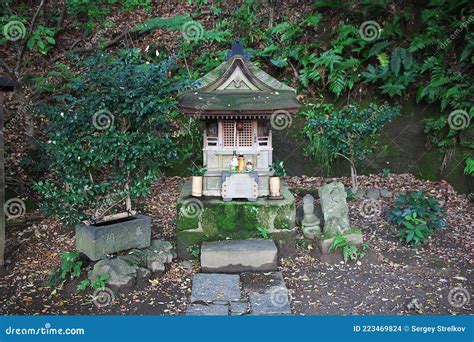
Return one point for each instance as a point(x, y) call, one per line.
point(395, 61)
point(378, 47)
point(30, 43)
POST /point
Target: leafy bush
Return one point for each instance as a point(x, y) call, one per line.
point(349, 132)
point(97, 283)
point(414, 230)
point(110, 136)
point(349, 252)
point(71, 266)
point(278, 169)
point(426, 207)
point(418, 216)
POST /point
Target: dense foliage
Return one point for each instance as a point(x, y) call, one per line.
point(356, 50)
point(110, 135)
point(350, 132)
point(395, 49)
point(417, 216)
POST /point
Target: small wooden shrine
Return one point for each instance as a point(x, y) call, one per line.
point(237, 102)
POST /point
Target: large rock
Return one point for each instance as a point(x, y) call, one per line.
point(221, 288)
point(121, 273)
point(334, 207)
point(97, 241)
point(155, 257)
point(254, 255)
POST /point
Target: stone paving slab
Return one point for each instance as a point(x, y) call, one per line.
point(253, 283)
point(207, 310)
point(235, 256)
point(276, 303)
point(210, 287)
point(239, 308)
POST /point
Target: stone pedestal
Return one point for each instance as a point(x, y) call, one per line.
point(98, 241)
point(212, 219)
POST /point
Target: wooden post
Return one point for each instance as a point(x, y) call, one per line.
point(2, 184)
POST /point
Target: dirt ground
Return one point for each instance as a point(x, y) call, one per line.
point(392, 279)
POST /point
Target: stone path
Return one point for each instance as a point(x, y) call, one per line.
point(245, 294)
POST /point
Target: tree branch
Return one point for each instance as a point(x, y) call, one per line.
point(23, 48)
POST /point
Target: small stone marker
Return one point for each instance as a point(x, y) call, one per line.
point(234, 256)
point(310, 222)
point(215, 287)
point(334, 207)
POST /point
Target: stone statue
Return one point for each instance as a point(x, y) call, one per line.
point(310, 221)
point(334, 207)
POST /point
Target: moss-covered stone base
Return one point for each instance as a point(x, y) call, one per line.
point(212, 219)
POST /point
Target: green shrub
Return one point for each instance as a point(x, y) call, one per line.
point(70, 267)
point(349, 132)
point(349, 252)
point(414, 230)
point(95, 284)
point(417, 216)
point(110, 135)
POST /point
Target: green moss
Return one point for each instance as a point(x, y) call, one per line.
point(235, 220)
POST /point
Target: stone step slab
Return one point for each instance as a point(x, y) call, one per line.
point(235, 256)
point(260, 283)
point(207, 310)
point(275, 303)
point(210, 287)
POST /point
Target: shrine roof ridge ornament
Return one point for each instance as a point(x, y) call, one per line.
point(238, 87)
point(237, 49)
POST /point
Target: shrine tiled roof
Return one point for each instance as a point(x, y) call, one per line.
point(237, 86)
